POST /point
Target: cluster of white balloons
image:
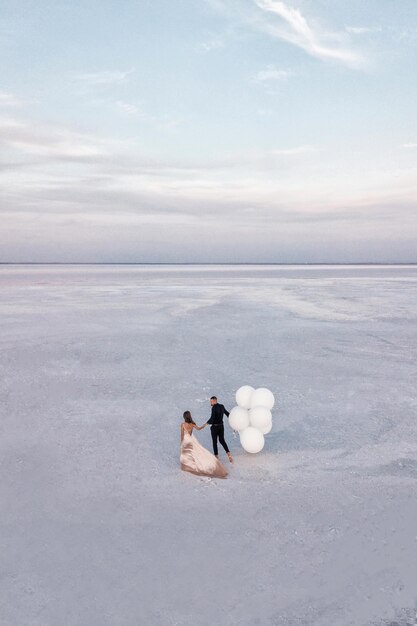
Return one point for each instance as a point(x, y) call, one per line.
point(252, 416)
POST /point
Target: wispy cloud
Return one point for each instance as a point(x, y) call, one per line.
point(104, 168)
point(294, 28)
point(298, 150)
point(104, 77)
point(8, 100)
point(213, 43)
point(271, 73)
point(46, 141)
point(127, 107)
point(363, 30)
point(58, 177)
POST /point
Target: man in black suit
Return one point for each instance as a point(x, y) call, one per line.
point(217, 426)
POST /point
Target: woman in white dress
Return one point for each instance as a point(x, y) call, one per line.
point(194, 457)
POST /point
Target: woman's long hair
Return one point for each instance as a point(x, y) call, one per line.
point(187, 418)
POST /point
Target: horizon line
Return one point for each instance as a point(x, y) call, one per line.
point(352, 263)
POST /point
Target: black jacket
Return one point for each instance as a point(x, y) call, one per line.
point(217, 412)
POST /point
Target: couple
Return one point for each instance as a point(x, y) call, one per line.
point(194, 457)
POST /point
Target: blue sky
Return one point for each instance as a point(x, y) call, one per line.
point(208, 130)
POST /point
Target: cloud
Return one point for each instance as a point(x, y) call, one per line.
point(410, 145)
point(86, 170)
point(295, 29)
point(299, 150)
point(214, 43)
point(50, 167)
point(271, 73)
point(57, 179)
point(9, 100)
point(104, 77)
point(363, 30)
point(126, 107)
point(45, 141)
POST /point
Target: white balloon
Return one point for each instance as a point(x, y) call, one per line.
point(260, 417)
point(239, 418)
point(262, 397)
point(267, 429)
point(243, 396)
point(252, 440)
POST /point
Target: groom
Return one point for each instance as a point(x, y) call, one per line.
point(217, 426)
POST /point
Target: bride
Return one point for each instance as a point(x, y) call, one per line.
point(194, 457)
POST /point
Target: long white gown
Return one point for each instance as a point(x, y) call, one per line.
point(196, 459)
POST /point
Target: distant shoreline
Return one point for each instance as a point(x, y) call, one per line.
point(358, 264)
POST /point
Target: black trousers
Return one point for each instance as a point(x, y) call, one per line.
point(217, 432)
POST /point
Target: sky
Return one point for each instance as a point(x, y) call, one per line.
point(208, 131)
